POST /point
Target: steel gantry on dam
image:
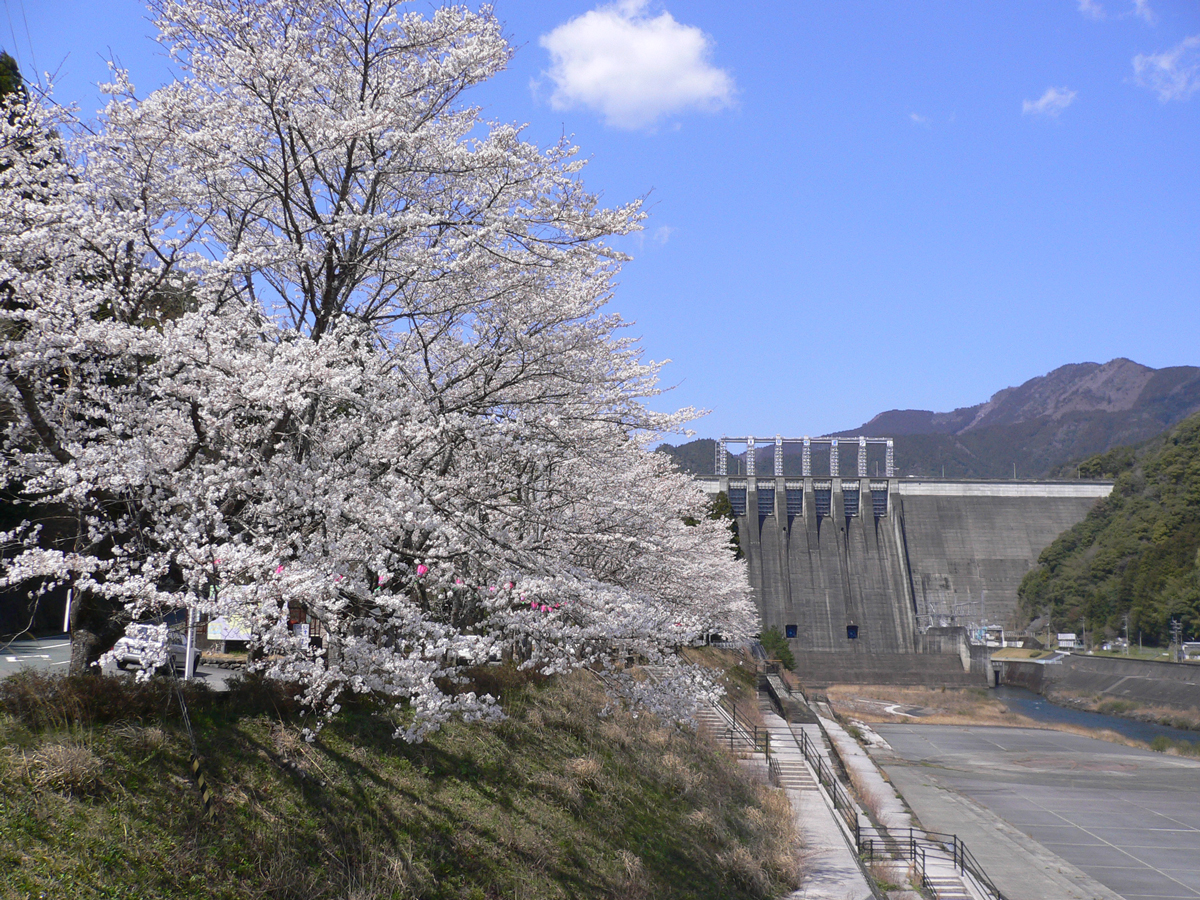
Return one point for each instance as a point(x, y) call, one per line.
point(833, 443)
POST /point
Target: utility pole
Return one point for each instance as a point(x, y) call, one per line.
point(1177, 639)
point(1126, 634)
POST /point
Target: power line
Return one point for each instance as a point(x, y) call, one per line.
point(12, 31)
point(29, 40)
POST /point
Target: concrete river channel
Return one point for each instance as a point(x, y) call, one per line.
point(1051, 814)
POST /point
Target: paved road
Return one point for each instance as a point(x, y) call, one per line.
point(54, 653)
point(1129, 819)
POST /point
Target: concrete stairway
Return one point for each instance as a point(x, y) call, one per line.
point(833, 870)
point(719, 726)
point(792, 771)
point(948, 886)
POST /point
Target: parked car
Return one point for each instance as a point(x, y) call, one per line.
point(139, 642)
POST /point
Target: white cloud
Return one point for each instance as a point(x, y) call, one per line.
point(918, 119)
point(1174, 73)
point(1141, 8)
point(663, 233)
point(1051, 103)
point(632, 67)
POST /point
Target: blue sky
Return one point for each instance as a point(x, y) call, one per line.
point(853, 206)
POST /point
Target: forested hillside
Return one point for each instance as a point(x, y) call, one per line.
point(1138, 551)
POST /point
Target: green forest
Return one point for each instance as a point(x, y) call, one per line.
point(1137, 552)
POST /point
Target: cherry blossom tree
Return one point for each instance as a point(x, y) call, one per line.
point(301, 331)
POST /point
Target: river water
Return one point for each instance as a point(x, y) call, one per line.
point(1038, 708)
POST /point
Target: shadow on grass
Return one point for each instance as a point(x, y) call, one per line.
point(557, 801)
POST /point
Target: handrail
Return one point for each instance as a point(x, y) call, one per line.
point(842, 801)
point(757, 737)
point(924, 843)
point(964, 860)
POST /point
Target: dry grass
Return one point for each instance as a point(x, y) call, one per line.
point(571, 796)
point(1188, 719)
point(950, 706)
point(891, 876)
point(69, 766)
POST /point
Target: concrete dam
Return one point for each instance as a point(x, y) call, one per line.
point(861, 573)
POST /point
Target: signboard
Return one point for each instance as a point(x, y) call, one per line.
point(222, 629)
point(1066, 640)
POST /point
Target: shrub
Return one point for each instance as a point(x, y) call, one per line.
point(43, 700)
point(777, 647)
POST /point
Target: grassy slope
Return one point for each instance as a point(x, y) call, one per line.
point(560, 800)
point(1138, 551)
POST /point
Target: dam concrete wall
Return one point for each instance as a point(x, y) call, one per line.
point(866, 566)
point(818, 574)
point(970, 543)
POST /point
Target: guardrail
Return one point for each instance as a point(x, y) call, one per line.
point(874, 841)
point(842, 802)
point(753, 737)
point(888, 850)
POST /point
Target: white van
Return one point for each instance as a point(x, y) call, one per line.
point(141, 640)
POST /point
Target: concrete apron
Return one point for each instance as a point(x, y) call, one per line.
point(1020, 867)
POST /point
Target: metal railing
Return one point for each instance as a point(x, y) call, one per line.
point(752, 737)
point(842, 801)
point(876, 842)
point(871, 848)
point(963, 860)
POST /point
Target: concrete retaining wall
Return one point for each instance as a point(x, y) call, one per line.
point(819, 669)
point(1175, 685)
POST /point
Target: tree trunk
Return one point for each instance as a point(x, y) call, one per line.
point(96, 624)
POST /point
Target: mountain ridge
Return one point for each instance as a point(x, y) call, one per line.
point(1028, 430)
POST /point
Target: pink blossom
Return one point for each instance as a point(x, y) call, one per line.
point(279, 571)
point(422, 570)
